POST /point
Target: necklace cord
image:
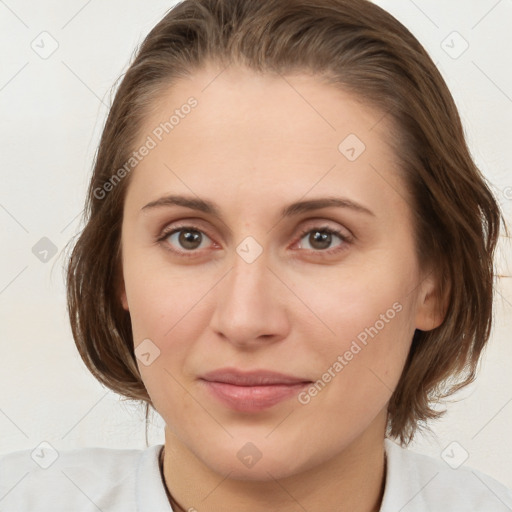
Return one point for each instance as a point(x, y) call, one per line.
point(178, 508)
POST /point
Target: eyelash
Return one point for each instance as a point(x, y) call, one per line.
point(166, 233)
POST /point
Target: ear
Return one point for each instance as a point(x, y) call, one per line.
point(432, 303)
point(123, 298)
point(121, 292)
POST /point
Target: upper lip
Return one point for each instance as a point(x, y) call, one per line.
point(251, 378)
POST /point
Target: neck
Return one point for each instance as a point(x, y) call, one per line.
point(352, 480)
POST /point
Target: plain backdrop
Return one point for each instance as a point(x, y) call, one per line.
point(53, 107)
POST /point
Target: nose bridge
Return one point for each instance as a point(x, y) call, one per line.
point(248, 283)
point(247, 308)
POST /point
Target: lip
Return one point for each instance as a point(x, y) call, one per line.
point(252, 391)
point(251, 378)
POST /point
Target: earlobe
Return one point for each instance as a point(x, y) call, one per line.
point(124, 301)
point(122, 294)
point(432, 304)
point(120, 288)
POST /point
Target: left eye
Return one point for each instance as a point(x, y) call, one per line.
point(321, 238)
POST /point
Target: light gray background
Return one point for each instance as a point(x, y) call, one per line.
point(52, 111)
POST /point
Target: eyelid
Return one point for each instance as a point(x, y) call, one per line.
point(170, 229)
point(321, 223)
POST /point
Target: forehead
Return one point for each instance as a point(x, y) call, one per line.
point(264, 133)
point(246, 104)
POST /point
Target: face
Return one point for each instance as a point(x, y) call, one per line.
point(327, 293)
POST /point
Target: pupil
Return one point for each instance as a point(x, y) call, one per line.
point(188, 239)
point(324, 239)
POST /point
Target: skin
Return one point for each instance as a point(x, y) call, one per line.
point(254, 144)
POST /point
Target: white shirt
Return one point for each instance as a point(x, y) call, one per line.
point(113, 480)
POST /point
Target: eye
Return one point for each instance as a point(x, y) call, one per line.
point(184, 240)
point(321, 238)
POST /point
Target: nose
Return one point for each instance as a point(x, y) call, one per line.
point(251, 304)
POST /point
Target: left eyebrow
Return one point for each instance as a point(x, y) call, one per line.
point(324, 202)
point(292, 209)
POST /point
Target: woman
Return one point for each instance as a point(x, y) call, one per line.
point(289, 255)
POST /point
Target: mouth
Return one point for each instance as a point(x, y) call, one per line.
point(252, 391)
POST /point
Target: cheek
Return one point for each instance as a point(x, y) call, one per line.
point(161, 300)
point(360, 369)
point(166, 316)
point(166, 312)
point(367, 327)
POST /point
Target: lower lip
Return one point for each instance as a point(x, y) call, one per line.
point(253, 398)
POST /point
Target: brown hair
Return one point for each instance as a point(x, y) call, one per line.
point(359, 47)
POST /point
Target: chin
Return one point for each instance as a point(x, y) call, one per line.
point(260, 460)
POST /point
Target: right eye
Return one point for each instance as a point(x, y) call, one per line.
point(183, 240)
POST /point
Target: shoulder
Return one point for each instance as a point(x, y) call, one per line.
point(84, 479)
point(417, 482)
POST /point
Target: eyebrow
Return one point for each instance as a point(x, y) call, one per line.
point(292, 209)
